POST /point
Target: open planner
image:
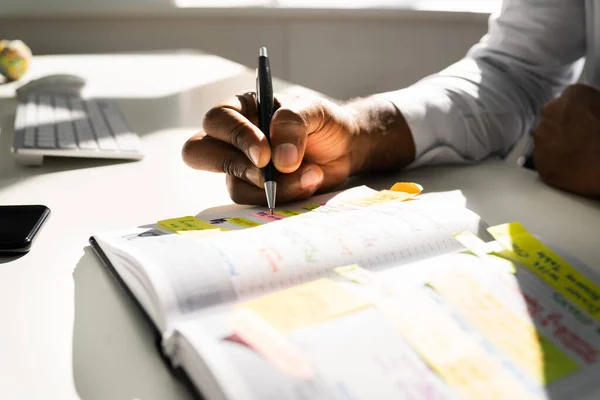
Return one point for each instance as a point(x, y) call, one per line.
point(364, 294)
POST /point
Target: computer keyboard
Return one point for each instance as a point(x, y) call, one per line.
point(71, 126)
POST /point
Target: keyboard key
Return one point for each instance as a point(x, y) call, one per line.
point(46, 137)
point(28, 122)
point(103, 135)
point(81, 122)
point(64, 127)
point(126, 140)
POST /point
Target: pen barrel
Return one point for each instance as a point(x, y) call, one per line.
point(264, 95)
point(266, 107)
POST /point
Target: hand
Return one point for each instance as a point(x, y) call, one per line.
point(567, 142)
point(311, 140)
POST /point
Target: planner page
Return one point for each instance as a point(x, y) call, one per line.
point(457, 326)
point(193, 273)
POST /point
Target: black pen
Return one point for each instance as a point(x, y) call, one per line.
point(266, 108)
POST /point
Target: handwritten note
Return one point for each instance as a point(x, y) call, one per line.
point(270, 343)
point(243, 222)
point(187, 223)
point(306, 304)
point(407, 187)
point(515, 335)
point(522, 247)
point(267, 216)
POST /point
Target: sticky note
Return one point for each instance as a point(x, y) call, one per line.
point(311, 207)
point(522, 247)
point(271, 344)
point(243, 222)
point(379, 197)
point(358, 274)
point(515, 335)
point(288, 213)
point(187, 223)
point(407, 187)
point(306, 304)
point(267, 216)
point(459, 360)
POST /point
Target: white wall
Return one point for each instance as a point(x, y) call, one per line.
point(342, 55)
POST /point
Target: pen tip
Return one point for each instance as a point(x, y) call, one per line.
point(272, 210)
point(262, 52)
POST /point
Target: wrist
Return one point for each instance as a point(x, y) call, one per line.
point(380, 138)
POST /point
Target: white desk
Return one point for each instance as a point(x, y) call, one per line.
point(68, 332)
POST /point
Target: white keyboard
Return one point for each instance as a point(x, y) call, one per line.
point(70, 126)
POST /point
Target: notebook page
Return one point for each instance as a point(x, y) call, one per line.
point(189, 275)
point(308, 246)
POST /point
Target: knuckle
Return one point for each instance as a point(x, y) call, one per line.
point(212, 117)
point(289, 116)
point(230, 166)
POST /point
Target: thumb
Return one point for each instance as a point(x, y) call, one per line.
point(290, 127)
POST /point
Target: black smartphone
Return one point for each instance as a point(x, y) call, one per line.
point(19, 226)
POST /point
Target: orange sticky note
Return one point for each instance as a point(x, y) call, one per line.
point(407, 187)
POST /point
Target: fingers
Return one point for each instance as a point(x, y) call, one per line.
point(209, 154)
point(233, 122)
point(290, 127)
point(307, 180)
point(299, 185)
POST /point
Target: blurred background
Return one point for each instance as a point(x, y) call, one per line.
point(341, 48)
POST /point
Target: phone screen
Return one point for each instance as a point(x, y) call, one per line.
point(19, 225)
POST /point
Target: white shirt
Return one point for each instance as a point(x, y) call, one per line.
point(483, 104)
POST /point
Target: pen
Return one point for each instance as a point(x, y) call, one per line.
point(266, 108)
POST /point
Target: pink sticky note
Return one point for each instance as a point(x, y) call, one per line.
point(267, 216)
point(270, 343)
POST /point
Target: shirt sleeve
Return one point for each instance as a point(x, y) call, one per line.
point(483, 104)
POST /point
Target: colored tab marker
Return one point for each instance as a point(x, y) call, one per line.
point(188, 223)
point(306, 304)
point(310, 207)
point(288, 213)
point(522, 247)
point(407, 187)
point(267, 216)
point(243, 222)
point(271, 344)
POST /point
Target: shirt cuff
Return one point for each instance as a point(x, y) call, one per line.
point(412, 103)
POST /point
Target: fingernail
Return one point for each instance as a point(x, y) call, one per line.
point(310, 178)
point(254, 153)
point(285, 155)
point(253, 175)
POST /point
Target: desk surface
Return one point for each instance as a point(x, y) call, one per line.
point(68, 331)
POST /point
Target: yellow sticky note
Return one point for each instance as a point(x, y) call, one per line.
point(459, 360)
point(311, 207)
point(380, 197)
point(516, 336)
point(522, 247)
point(407, 187)
point(270, 343)
point(187, 223)
point(306, 304)
point(243, 222)
point(288, 213)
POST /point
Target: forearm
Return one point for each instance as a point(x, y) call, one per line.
point(380, 138)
